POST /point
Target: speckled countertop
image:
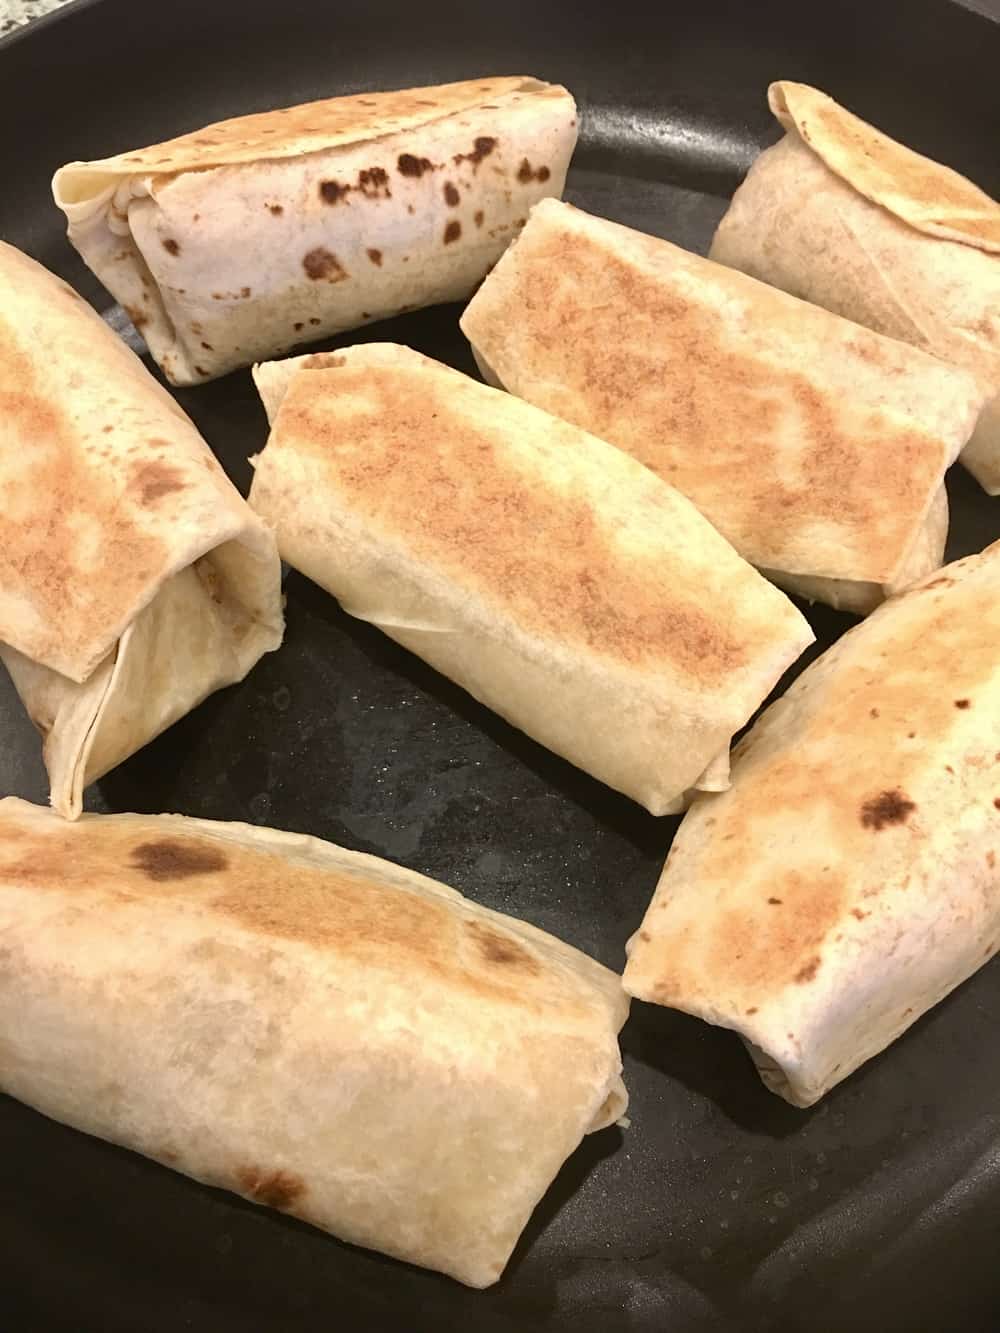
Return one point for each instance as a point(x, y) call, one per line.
point(15, 13)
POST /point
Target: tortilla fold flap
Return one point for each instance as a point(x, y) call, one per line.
point(250, 236)
point(815, 446)
point(842, 215)
point(584, 600)
point(315, 1029)
point(134, 579)
point(847, 880)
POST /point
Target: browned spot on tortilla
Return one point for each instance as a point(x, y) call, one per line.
point(245, 293)
point(374, 183)
point(331, 192)
point(171, 246)
point(452, 232)
point(172, 858)
point(376, 257)
point(501, 949)
point(208, 347)
point(478, 217)
point(644, 936)
point(321, 265)
point(156, 479)
point(961, 703)
point(911, 735)
point(107, 429)
point(889, 807)
point(526, 173)
point(365, 314)
point(481, 148)
point(943, 582)
point(873, 712)
point(276, 209)
point(807, 973)
point(298, 326)
point(991, 859)
point(201, 371)
point(774, 902)
point(857, 912)
point(137, 317)
point(451, 196)
point(408, 165)
point(313, 320)
point(324, 361)
point(752, 1010)
point(996, 802)
point(274, 1189)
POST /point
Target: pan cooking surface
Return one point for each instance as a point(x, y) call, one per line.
point(721, 1207)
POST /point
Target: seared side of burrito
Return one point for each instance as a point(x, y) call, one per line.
point(840, 214)
point(317, 1030)
point(245, 238)
point(546, 572)
point(134, 579)
point(848, 879)
point(815, 446)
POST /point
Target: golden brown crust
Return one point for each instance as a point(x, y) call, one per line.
point(345, 912)
point(927, 195)
point(491, 525)
point(847, 753)
point(679, 361)
point(315, 126)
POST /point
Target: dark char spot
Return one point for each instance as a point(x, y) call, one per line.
point(171, 246)
point(889, 807)
point(451, 195)
point(408, 165)
point(452, 232)
point(174, 858)
point(275, 1189)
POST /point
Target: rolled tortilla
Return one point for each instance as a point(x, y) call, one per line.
point(550, 575)
point(315, 1029)
point(134, 580)
point(815, 446)
point(842, 215)
point(245, 238)
point(847, 880)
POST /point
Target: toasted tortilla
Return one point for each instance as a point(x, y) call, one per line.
point(840, 214)
point(847, 880)
point(816, 447)
point(245, 238)
point(544, 571)
point(134, 580)
point(317, 1030)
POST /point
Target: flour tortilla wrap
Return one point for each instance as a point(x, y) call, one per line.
point(549, 574)
point(315, 1029)
point(134, 580)
point(840, 214)
point(248, 237)
point(816, 447)
point(847, 880)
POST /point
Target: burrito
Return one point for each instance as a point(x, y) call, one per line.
point(848, 879)
point(842, 215)
point(815, 446)
point(134, 579)
point(547, 573)
point(248, 237)
point(335, 1037)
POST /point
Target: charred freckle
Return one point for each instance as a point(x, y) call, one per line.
point(376, 257)
point(331, 192)
point(961, 703)
point(408, 165)
point(452, 232)
point(889, 807)
point(171, 246)
point(451, 196)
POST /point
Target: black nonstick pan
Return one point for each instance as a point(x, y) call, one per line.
point(721, 1208)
